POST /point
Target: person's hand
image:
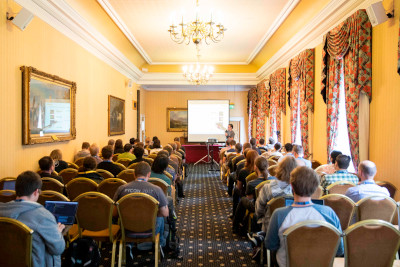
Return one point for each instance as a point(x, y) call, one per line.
point(61, 227)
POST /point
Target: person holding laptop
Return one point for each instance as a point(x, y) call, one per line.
point(48, 243)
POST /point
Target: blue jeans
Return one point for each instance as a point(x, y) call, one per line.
point(160, 230)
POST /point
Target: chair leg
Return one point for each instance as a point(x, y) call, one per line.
point(157, 251)
point(120, 254)
point(113, 253)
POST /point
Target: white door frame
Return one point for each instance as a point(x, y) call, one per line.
point(242, 128)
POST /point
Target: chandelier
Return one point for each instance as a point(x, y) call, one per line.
point(197, 75)
point(197, 31)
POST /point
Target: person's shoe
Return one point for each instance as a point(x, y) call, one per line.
point(256, 252)
point(129, 253)
point(256, 239)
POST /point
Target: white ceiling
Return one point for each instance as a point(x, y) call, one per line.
point(249, 23)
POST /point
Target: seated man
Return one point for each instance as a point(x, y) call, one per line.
point(341, 174)
point(107, 164)
point(289, 151)
point(88, 170)
point(367, 186)
point(277, 150)
point(261, 145)
point(84, 152)
point(329, 168)
point(298, 153)
point(48, 243)
point(94, 152)
point(271, 142)
point(47, 168)
point(138, 151)
point(128, 148)
point(304, 182)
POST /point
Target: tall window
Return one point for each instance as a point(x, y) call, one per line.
point(274, 135)
point(297, 139)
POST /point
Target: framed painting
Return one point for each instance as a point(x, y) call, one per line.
point(48, 107)
point(116, 116)
point(177, 120)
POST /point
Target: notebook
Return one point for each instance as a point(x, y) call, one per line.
point(9, 185)
point(64, 211)
point(289, 201)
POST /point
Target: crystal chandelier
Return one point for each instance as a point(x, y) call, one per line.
point(197, 75)
point(197, 31)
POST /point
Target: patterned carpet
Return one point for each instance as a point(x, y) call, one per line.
point(204, 227)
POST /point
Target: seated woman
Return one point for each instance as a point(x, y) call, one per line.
point(119, 147)
point(160, 164)
point(88, 170)
point(59, 164)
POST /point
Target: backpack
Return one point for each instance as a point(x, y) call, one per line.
point(83, 252)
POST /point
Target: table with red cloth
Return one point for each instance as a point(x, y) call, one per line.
point(196, 152)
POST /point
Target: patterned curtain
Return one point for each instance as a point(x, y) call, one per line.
point(262, 100)
point(347, 47)
point(251, 109)
point(398, 55)
point(301, 81)
point(277, 99)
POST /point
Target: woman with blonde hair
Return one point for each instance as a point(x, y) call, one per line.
point(60, 165)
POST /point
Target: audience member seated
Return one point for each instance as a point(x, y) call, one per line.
point(138, 151)
point(304, 182)
point(172, 157)
point(177, 174)
point(119, 147)
point(88, 170)
point(132, 141)
point(160, 164)
point(231, 148)
point(341, 164)
point(298, 153)
point(271, 143)
point(94, 152)
point(240, 188)
point(47, 243)
point(140, 144)
point(141, 185)
point(59, 164)
point(84, 152)
point(261, 145)
point(233, 167)
point(228, 162)
point(47, 168)
point(247, 202)
point(147, 143)
point(367, 186)
point(128, 149)
point(111, 143)
point(288, 151)
point(329, 168)
point(107, 163)
point(156, 147)
point(253, 143)
point(277, 150)
point(169, 169)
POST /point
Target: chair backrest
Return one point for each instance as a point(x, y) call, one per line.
point(152, 156)
point(252, 176)
point(115, 157)
point(272, 170)
point(389, 186)
point(72, 165)
point(127, 175)
point(138, 213)
point(106, 174)
point(79, 186)
point(94, 212)
point(52, 196)
point(7, 195)
point(160, 183)
point(311, 243)
point(339, 187)
point(318, 193)
point(79, 162)
point(371, 243)
point(343, 206)
point(242, 161)
point(2, 180)
point(276, 158)
point(49, 183)
point(16, 243)
point(68, 174)
point(276, 202)
point(272, 162)
point(121, 166)
point(168, 175)
point(315, 164)
point(132, 166)
point(109, 186)
point(150, 160)
point(231, 156)
point(260, 186)
point(124, 161)
point(376, 207)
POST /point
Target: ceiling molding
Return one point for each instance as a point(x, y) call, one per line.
point(274, 27)
point(334, 12)
point(124, 28)
point(201, 62)
point(62, 17)
point(202, 88)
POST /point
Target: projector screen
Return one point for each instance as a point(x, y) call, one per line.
point(207, 119)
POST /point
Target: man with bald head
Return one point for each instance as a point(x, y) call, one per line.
point(367, 186)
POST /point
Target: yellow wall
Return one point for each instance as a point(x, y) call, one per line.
point(156, 104)
point(46, 49)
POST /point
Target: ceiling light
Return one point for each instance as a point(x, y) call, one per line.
point(198, 74)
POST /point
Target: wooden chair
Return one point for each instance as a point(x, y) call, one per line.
point(5, 179)
point(311, 243)
point(79, 162)
point(272, 170)
point(260, 186)
point(138, 215)
point(343, 206)
point(7, 195)
point(132, 166)
point(115, 157)
point(16, 243)
point(94, 217)
point(276, 158)
point(152, 156)
point(389, 186)
point(127, 175)
point(252, 176)
point(169, 176)
point(109, 186)
point(79, 186)
point(121, 166)
point(52, 196)
point(376, 207)
point(315, 164)
point(52, 184)
point(160, 183)
point(68, 174)
point(272, 162)
point(339, 187)
point(72, 165)
point(318, 193)
point(106, 174)
point(124, 161)
point(150, 161)
point(371, 243)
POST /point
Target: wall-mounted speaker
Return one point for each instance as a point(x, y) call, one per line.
point(376, 13)
point(22, 19)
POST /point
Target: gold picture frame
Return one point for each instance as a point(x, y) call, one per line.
point(116, 116)
point(48, 107)
point(177, 120)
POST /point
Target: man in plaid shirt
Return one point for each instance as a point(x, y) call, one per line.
point(341, 174)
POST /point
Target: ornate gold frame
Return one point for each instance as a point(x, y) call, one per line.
point(27, 137)
point(109, 116)
point(169, 129)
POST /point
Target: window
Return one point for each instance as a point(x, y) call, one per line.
point(274, 134)
point(297, 139)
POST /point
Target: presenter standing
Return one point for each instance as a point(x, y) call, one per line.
point(230, 134)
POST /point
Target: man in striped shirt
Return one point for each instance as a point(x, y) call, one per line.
point(341, 173)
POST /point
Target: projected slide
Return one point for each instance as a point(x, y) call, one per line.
point(207, 119)
point(57, 116)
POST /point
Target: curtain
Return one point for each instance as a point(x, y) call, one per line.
point(262, 100)
point(277, 100)
point(301, 81)
point(251, 109)
point(398, 55)
point(347, 47)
